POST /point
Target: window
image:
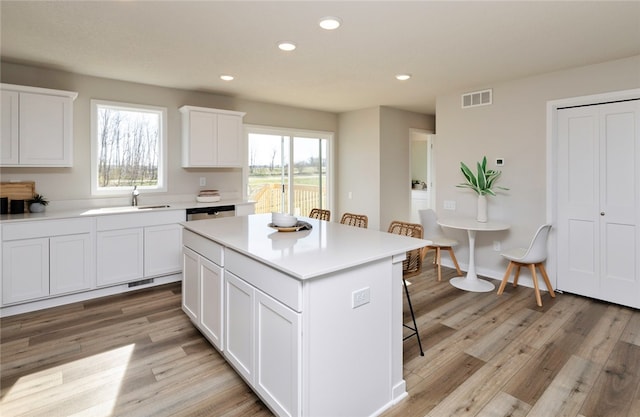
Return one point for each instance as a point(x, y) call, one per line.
point(288, 171)
point(128, 147)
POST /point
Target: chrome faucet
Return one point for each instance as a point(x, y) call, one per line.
point(134, 196)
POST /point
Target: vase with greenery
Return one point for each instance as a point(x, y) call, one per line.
point(482, 183)
point(37, 203)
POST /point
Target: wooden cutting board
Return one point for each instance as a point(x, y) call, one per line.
point(22, 190)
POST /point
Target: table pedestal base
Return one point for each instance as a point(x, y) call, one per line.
point(475, 285)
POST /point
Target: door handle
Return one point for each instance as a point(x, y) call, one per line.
point(602, 213)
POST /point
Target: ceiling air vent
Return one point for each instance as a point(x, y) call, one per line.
point(477, 98)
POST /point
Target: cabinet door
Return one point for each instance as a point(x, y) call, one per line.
point(239, 325)
point(45, 130)
point(25, 270)
point(229, 136)
point(201, 137)
point(9, 128)
point(120, 256)
point(211, 302)
point(278, 344)
point(70, 263)
point(190, 285)
point(162, 249)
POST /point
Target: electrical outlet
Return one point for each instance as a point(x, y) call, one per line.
point(350, 195)
point(497, 246)
point(360, 297)
point(449, 205)
point(203, 181)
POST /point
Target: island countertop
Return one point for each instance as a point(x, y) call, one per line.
point(326, 248)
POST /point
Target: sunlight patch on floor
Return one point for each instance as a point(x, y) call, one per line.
point(90, 386)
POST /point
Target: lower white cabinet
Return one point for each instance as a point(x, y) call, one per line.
point(263, 342)
point(120, 256)
point(202, 295)
point(136, 246)
point(41, 259)
point(278, 360)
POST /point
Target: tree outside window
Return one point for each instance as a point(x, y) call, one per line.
point(128, 147)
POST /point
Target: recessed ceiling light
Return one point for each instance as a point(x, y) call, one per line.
point(226, 77)
point(286, 46)
point(330, 23)
point(403, 77)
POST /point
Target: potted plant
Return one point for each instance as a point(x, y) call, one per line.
point(37, 203)
point(482, 184)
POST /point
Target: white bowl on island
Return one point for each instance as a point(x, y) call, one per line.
point(283, 220)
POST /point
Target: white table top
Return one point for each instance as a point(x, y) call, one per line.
point(468, 223)
point(326, 248)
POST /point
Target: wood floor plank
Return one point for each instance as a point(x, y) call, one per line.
point(616, 385)
point(602, 338)
point(504, 405)
point(631, 333)
point(568, 391)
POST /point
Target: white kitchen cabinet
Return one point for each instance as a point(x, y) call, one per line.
point(239, 325)
point(203, 286)
point(162, 248)
point(120, 256)
point(278, 359)
point(211, 302)
point(37, 127)
point(191, 284)
point(45, 258)
point(25, 270)
point(211, 137)
point(134, 246)
point(263, 342)
point(70, 263)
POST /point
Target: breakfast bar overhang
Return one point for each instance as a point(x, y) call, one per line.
point(312, 320)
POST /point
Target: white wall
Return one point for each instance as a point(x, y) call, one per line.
point(514, 128)
point(74, 183)
point(358, 172)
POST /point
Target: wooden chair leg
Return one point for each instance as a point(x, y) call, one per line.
point(515, 279)
point(545, 277)
point(438, 262)
point(505, 279)
point(532, 268)
point(455, 261)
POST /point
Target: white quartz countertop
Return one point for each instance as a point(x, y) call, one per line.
point(326, 248)
point(109, 210)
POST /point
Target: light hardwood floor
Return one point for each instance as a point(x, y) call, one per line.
point(485, 355)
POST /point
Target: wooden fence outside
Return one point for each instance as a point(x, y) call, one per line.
point(268, 199)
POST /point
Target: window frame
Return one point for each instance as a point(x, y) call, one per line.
point(304, 133)
point(163, 151)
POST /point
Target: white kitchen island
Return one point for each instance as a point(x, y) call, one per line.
point(312, 320)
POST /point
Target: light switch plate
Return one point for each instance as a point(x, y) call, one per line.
point(449, 204)
point(360, 297)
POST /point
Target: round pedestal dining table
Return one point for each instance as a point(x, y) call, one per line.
point(471, 282)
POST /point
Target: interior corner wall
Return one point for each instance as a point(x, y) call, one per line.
point(514, 127)
point(395, 162)
point(358, 165)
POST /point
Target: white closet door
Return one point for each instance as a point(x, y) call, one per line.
point(599, 201)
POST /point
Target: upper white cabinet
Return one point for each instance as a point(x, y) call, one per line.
point(37, 127)
point(211, 137)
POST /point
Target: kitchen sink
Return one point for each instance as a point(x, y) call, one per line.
point(124, 209)
point(152, 207)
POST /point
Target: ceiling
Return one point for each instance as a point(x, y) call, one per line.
point(445, 45)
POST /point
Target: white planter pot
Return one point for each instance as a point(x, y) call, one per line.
point(482, 209)
point(36, 208)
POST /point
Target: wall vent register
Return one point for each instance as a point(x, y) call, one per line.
point(477, 98)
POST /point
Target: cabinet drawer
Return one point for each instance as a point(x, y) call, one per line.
point(283, 288)
point(129, 220)
point(210, 250)
point(45, 228)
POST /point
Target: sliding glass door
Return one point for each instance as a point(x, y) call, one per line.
point(287, 171)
